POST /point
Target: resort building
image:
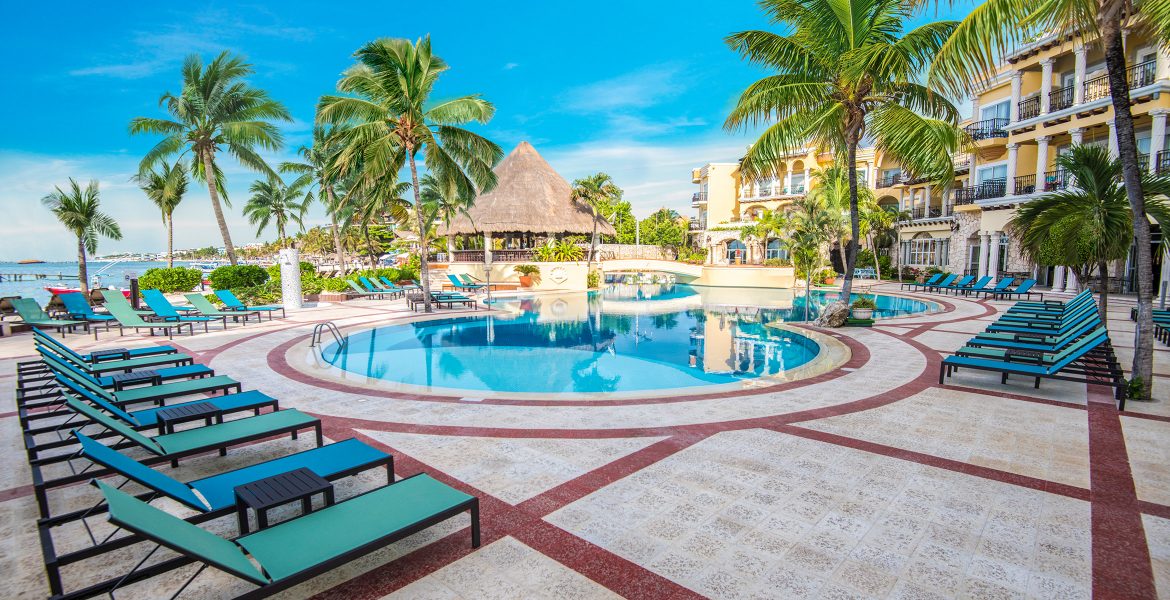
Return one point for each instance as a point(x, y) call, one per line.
point(1048, 96)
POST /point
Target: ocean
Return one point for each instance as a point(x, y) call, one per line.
point(111, 274)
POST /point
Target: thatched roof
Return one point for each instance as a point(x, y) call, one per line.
point(530, 197)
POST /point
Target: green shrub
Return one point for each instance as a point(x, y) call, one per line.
point(268, 292)
point(864, 302)
point(167, 281)
point(529, 270)
point(562, 251)
point(233, 277)
point(333, 284)
point(777, 262)
point(593, 279)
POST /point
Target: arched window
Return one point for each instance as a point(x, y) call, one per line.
point(776, 249)
point(736, 249)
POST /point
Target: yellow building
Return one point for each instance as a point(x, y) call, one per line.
point(1049, 95)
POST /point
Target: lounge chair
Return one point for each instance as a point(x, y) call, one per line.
point(97, 363)
point(109, 353)
point(459, 285)
point(207, 309)
point(127, 318)
point(1043, 343)
point(407, 287)
point(929, 282)
point(393, 288)
point(358, 291)
point(159, 393)
point(949, 279)
point(448, 299)
point(56, 363)
point(34, 316)
point(1052, 306)
point(77, 307)
point(231, 302)
point(954, 285)
point(378, 287)
point(295, 551)
point(166, 312)
point(1023, 290)
point(1001, 285)
point(968, 287)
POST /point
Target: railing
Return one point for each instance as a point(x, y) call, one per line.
point(697, 224)
point(993, 188)
point(962, 162)
point(796, 189)
point(1142, 74)
point(1162, 163)
point(319, 330)
point(1029, 108)
point(1097, 88)
point(1024, 185)
point(467, 256)
point(890, 180)
point(1055, 180)
point(516, 255)
point(699, 198)
point(1060, 99)
point(923, 212)
point(988, 128)
point(1144, 162)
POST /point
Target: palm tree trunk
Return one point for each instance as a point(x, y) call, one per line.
point(336, 232)
point(1143, 357)
point(854, 221)
point(877, 264)
point(424, 272)
point(170, 241)
point(840, 252)
point(82, 273)
point(1103, 267)
point(213, 191)
point(593, 243)
point(369, 246)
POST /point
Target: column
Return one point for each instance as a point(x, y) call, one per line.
point(1041, 160)
point(807, 177)
point(450, 247)
point(787, 182)
point(1079, 74)
point(1070, 283)
point(984, 250)
point(873, 174)
point(1058, 278)
point(1045, 84)
point(1163, 57)
point(1078, 135)
point(1157, 135)
point(902, 200)
point(974, 108)
point(993, 255)
point(1013, 154)
point(1112, 139)
point(927, 193)
point(1017, 83)
point(487, 247)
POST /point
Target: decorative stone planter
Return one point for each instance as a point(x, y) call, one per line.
point(862, 313)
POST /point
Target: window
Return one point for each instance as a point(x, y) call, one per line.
point(986, 174)
point(995, 111)
point(1003, 253)
point(776, 249)
point(926, 251)
point(973, 258)
point(736, 250)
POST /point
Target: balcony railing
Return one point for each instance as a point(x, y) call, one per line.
point(1060, 99)
point(1097, 88)
point(1144, 162)
point(1024, 185)
point(922, 212)
point(988, 128)
point(699, 198)
point(697, 224)
point(1162, 163)
point(1142, 74)
point(1029, 108)
point(992, 188)
point(1055, 180)
point(891, 180)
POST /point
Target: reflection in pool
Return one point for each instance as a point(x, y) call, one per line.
point(625, 338)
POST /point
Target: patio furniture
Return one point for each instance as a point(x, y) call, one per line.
point(944, 282)
point(262, 495)
point(127, 318)
point(232, 303)
point(109, 353)
point(1024, 289)
point(954, 285)
point(34, 316)
point(207, 309)
point(99, 362)
point(914, 284)
point(166, 312)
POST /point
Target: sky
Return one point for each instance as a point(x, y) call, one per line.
point(636, 89)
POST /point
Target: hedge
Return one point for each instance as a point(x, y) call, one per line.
point(168, 281)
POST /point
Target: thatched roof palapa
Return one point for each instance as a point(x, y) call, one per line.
point(530, 197)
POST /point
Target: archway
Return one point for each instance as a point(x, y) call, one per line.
point(736, 252)
point(776, 249)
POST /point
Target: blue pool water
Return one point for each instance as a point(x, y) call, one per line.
point(625, 338)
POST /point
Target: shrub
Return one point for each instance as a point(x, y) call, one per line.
point(777, 262)
point(864, 302)
point(529, 270)
point(562, 251)
point(268, 292)
point(167, 281)
point(234, 277)
point(593, 279)
point(333, 284)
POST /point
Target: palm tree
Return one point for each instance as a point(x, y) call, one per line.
point(876, 221)
point(810, 227)
point(393, 121)
point(318, 168)
point(997, 27)
point(844, 74)
point(1086, 226)
point(273, 201)
point(444, 200)
point(596, 192)
point(374, 203)
point(215, 110)
point(80, 212)
point(831, 189)
point(165, 186)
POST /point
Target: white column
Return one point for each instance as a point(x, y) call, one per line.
point(1157, 135)
point(1045, 84)
point(1079, 74)
point(290, 278)
point(807, 177)
point(1078, 135)
point(487, 247)
point(1113, 152)
point(1017, 83)
point(1058, 278)
point(993, 258)
point(984, 250)
point(902, 199)
point(1041, 159)
point(927, 193)
point(1070, 283)
point(1163, 57)
point(1013, 154)
point(974, 108)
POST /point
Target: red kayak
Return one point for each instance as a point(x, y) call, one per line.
point(55, 290)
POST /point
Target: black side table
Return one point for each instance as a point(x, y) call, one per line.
point(193, 411)
point(121, 380)
point(264, 494)
point(110, 354)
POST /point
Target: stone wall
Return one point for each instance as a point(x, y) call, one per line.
point(968, 225)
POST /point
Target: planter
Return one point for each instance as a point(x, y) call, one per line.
point(332, 297)
point(830, 280)
point(526, 281)
point(862, 313)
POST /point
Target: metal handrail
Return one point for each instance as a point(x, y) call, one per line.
point(329, 326)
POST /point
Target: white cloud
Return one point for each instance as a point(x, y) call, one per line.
point(510, 66)
point(639, 89)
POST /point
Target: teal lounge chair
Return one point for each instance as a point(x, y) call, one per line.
point(207, 309)
point(34, 316)
point(391, 284)
point(158, 393)
point(966, 289)
point(929, 282)
point(115, 362)
point(956, 285)
point(231, 302)
point(1043, 343)
point(295, 551)
point(127, 318)
point(77, 307)
point(949, 279)
point(459, 285)
point(362, 293)
point(1023, 290)
point(166, 312)
point(109, 353)
point(377, 287)
point(1050, 307)
point(56, 363)
point(999, 287)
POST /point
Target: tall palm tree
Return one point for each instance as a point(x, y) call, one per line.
point(215, 110)
point(80, 212)
point(997, 27)
point(810, 227)
point(596, 191)
point(318, 168)
point(274, 202)
point(876, 221)
point(444, 200)
point(392, 120)
point(374, 203)
point(1087, 226)
point(845, 72)
point(831, 189)
point(165, 186)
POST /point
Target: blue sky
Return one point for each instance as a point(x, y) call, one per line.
point(636, 89)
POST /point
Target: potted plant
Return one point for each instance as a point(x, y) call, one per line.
point(828, 276)
point(528, 274)
point(863, 308)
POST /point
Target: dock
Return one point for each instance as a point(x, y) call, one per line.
point(37, 276)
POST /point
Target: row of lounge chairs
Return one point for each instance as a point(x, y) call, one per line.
point(1044, 340)
point(1161, 324)
point(118, 417)
point(968, 285)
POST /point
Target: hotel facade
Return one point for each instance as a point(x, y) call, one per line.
point(1048, 96)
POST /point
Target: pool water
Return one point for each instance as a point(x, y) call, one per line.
point(625, 338)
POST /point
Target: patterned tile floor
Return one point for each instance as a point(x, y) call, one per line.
point(871, 481)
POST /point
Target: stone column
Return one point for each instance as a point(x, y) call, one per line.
point(974, 108)
point(1078, 135)
point(984, 250)
point(1058, 278)
point(487, 247)
point(1041, 160)
point(1157, 135)
point(1070, 283)
point(993, 255)
point(1017, 83)
point(1045, 84)
point(290, 278)
point(1079, 74)
point(1013, 153)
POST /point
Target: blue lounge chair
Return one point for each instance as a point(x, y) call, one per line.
point(232, 303)
point(166, 312)
point(118, 359)
point(408, 287)
point(1003, 284)
point(1052, 307)
point(1049, 343)
point(109, 353)
point(966, 287)
point(1023, 290)
point(77, 307)
point(460, 285)
point(929, 282)
point(949, 279)
point(362, 293)
point(374, 286)
point(961, 282)
point(128, 318)
point(56, 363)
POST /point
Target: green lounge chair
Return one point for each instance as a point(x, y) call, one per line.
point(110, 353)
point(378, 287)
point(99, 367)
point(159, 393)
point(207, 309)
point(459, 285)
point(56, 363)
point(391, 284)
point(358, 291)
point(914, 284)
point(231, 302)
point(167, 312)
point(127, 318)
point(34, 316)
point(295, 551)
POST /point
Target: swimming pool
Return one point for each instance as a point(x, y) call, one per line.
point(622, 339)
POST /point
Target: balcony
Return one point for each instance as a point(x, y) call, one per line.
point(1144, 162)
point(922, 212)
point(992, 188)
point(1060, 99)
point(697, 224)
point(988, 128)
point(1030, 108)
point(1055, 181)
point(1142, 74)
point(890, 180)
point(1024, 185)
point(698, 198)
point(1162, 163)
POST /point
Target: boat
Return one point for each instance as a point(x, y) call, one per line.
point(30, 261)
point(60, 290)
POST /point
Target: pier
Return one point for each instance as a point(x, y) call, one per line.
point(37, 276)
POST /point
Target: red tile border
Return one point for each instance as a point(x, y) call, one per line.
point(16, 492)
